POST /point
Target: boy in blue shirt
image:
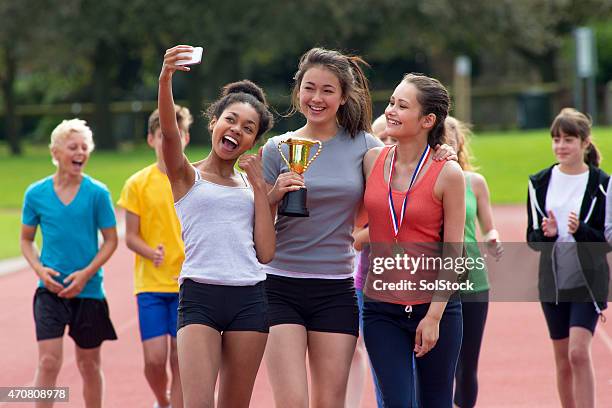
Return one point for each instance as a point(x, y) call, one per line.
point(70, 208)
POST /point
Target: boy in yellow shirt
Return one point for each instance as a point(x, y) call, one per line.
point(153, 232)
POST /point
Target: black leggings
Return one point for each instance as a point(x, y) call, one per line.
point(475, 308)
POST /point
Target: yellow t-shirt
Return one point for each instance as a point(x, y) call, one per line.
point(148, 194)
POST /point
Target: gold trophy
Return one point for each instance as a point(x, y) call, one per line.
point(294, 202)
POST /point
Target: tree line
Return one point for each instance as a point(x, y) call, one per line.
point(99, 52)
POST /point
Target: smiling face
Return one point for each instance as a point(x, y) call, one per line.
point(71, 153)
point(320, 95)
point(569, 149)
point(234, 132)
point(404, 118)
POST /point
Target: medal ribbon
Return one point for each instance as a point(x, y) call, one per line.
point(397, 225)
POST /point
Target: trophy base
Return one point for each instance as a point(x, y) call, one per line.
point(294, 204)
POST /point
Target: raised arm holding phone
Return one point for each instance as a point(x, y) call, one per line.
point(228, 231)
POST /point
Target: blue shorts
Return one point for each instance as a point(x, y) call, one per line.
point(157, 314)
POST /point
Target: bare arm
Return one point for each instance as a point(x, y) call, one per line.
point(78, 279)
point(368, 161)
point(361, 217)
point(134, 241)
point(485, 215)
point(271, 199)
point(484, 211)
point(451, 188)
point(264, 234)
point(31, 254)
point(180, 173)
point(361, 237)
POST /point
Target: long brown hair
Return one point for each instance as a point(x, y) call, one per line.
point(356, 114)
point(575, 123)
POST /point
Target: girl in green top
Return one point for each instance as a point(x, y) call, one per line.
point(475, 302)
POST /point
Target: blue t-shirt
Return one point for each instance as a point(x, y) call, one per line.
point(70, 232)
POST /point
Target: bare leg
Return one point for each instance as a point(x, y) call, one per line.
point(286, 362)
point(242, 354)
point(199, 356)
point(176, 394)
point(50, 355)
point(88, 361)
point(581, 361)
point(330, 356)
point(155, 357)
point(357, 375)
point(564, 373)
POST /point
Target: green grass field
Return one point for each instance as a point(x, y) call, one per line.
point(504, 158)
point(111, 168)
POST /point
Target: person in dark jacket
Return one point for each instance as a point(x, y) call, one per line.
point(566, 214)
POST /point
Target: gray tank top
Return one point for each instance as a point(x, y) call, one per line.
point(217, 226)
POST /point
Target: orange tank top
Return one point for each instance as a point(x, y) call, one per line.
point(424, 212)
point(423, 219)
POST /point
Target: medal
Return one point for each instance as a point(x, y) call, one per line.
point(397, 249)
point(397, 224)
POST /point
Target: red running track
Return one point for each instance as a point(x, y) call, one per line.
point(516, 369)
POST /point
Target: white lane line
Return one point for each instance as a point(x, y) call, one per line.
point(9, 266)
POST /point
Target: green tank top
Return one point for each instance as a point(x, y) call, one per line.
point(478, 276)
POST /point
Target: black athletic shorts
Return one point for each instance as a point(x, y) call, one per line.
point(222, 307)
point(560, 317)
point(88, 319)
point(325, 305)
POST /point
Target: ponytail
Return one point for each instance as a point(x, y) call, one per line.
point(436, 134)
point(592, 156)
point(356, 114)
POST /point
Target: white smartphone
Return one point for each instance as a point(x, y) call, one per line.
point(191, 58)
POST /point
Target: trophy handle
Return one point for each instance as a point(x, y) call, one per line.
point(320, 146)
point(282, 154)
